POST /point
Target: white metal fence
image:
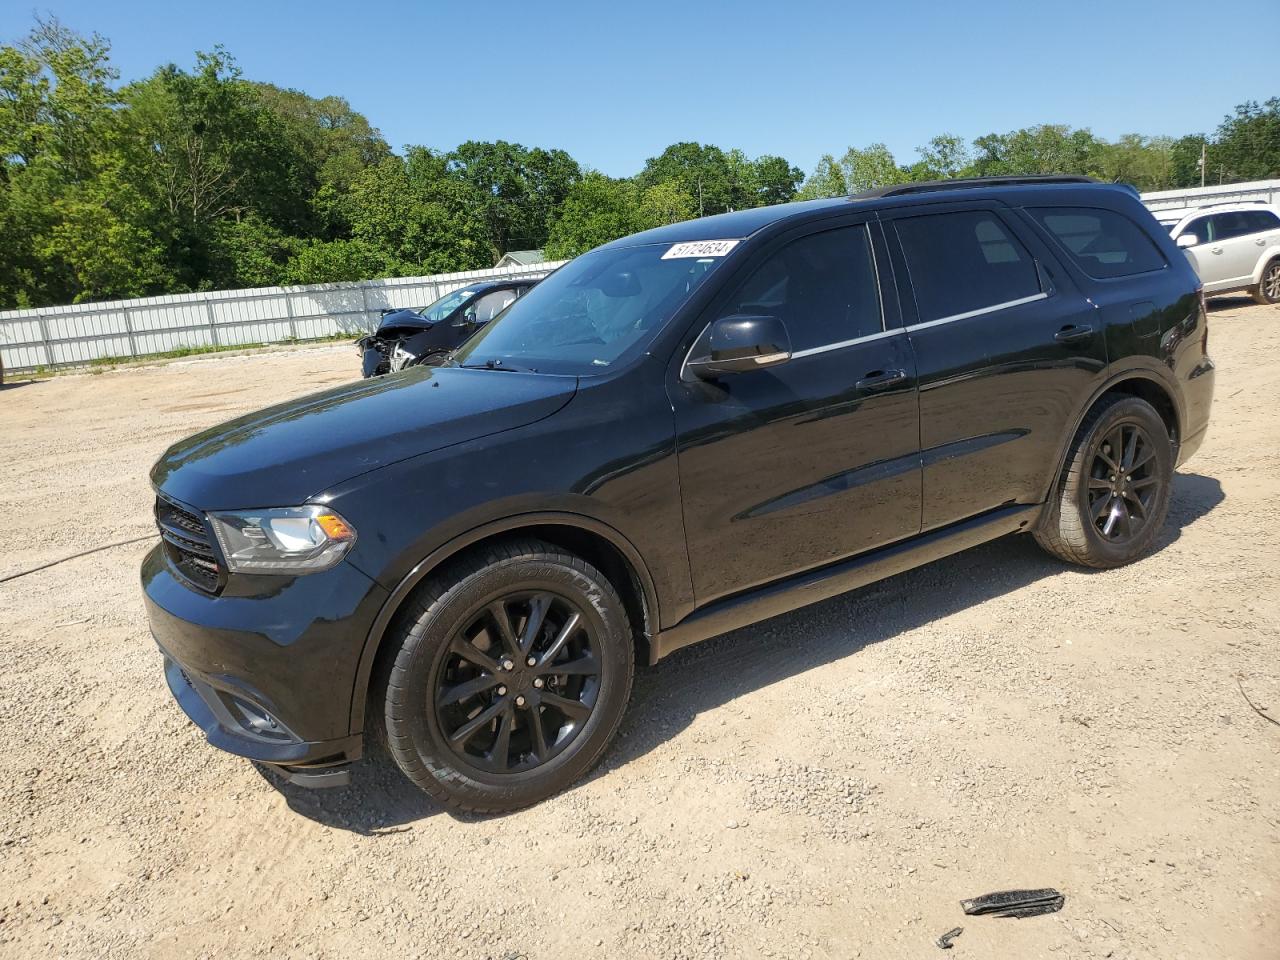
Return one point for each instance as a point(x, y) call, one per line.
point(51, 337)
point(1268, 191)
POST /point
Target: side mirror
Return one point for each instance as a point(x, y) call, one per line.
point(467, 319)
point(739, 343)
point(1187, 240)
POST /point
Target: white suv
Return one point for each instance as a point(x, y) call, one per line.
point(1233, 246)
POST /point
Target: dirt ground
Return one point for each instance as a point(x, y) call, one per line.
point(828, 784)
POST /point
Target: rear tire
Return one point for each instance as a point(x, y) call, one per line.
point(1109, 504)
point(1268, 289)
point(468, 717)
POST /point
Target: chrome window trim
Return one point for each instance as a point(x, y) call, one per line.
point(810, 351)
point(977, 313)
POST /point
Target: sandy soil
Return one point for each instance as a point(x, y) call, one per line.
point(828, 784)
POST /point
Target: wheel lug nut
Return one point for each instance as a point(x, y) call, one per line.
point(502, 691)
point(510, 664)
point(532, 661)
point(519, 701)
point(538, 683)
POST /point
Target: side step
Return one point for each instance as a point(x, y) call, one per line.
point(830, 581)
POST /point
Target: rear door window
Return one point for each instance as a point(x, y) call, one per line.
point(823, 287)
point(1234, 223)
point(965, 261)
point(1103, 243)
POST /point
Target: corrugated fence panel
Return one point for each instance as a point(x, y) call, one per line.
point(81, 333)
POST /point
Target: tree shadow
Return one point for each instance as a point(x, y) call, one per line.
point(667, 697)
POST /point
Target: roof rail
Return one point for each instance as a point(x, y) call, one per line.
point(962, 183)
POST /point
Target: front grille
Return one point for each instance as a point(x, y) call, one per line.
point(189, 547)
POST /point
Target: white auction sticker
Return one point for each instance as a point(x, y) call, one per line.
point(700, 248)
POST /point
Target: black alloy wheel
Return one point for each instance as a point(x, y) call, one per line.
point(506, 676)
point(519, 682)
point(1113, 493)
point(1123, 485)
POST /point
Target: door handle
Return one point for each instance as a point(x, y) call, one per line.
point(1074, 333)
point(1261, 241)
point(881, 380)
point(1216, 249)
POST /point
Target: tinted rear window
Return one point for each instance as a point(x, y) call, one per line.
point(1103, 243)
point(961, 262)
point(1262, 220)
point(1234, 223)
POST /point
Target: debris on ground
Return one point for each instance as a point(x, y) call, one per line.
point(1015, 903)
point(945, 941)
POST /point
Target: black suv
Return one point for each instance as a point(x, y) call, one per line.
point(676, 434)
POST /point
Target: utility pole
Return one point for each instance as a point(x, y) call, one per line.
point(700, 210)
point(1202, 162)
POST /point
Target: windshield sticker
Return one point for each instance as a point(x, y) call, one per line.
point(699, 248)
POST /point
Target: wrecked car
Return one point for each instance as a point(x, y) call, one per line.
point(409, 338)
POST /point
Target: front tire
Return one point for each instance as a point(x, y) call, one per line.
point(1268, 289)
point(511, 673)
point(1113, 495)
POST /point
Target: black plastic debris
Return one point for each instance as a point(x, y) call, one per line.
point(1015, 903)
point(945, 941)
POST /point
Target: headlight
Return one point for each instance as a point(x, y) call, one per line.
point(284, 540)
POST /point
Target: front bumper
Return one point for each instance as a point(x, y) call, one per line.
point(267, 674)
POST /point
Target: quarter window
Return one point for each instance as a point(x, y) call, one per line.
point(1262, 220)
point(823, 287)
point(966, 261)
point(1103, 243)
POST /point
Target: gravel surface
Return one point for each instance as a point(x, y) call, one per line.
point(827, 784)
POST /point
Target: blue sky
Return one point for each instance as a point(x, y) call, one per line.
point(615, 82)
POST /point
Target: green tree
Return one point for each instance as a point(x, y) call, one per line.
point(870, 167)
point(945, 156)
point(1047, 148)
point(516, 189)
point(598, 209)
point(664, 203)
point(333, 261)
point(701, 171)
point(763, 181)
point(419, 219)
point(333, 145)
point(1247, 145)
point(827, 180)
point(57, 122)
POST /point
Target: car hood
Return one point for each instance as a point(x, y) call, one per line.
point(287, 454)
point(404, 319)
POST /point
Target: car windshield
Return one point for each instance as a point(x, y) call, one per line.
point(445, 305)
point(590, 314)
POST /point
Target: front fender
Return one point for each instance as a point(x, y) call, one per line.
point(441, 555)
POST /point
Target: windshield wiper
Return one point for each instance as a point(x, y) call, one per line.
point(492, 364)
